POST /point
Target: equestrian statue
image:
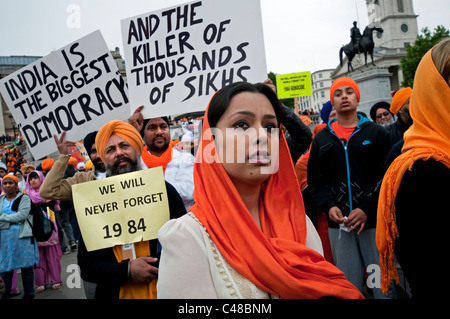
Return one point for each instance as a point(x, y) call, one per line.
point(359, 44)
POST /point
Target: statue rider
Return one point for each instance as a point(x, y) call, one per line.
point(355, 35)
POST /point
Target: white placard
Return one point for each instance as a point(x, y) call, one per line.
point(177, 58)
point(75, 89)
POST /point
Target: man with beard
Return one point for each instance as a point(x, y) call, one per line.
point(400, 107)
point(178, 166)
point(119, 145)
point(380, 114)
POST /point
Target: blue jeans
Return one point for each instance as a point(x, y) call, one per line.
point(27, 282)
point(353, 254)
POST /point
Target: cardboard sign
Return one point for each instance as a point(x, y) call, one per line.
point(294, 85)
point(178, 57)
point(122, 209)
point(75, 89)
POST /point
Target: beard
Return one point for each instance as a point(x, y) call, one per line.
point(115, 170)
point(387, 122)
point(99, 166)
point(162, 148)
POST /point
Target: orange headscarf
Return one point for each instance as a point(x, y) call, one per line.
point(400, 97)
point(121, 128)
point(274, 257)
point(428, 137)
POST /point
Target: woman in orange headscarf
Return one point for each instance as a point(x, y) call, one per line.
point(417, 184)
point(247, 235)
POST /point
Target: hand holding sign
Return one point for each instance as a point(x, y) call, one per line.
point(178, 57)
point(121, 209)
point(75, 89)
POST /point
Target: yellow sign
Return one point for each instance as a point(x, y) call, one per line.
point(293, 85)
point(121, 209)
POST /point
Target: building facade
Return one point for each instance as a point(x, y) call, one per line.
point(377, 82)
point(321, 83)
point(8, 65)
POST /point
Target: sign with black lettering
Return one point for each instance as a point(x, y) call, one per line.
point(178, 57)
point(294, 85)
point(75, 89)
point(121, 209)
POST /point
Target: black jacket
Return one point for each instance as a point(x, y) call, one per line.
point(348, 175)
point(300, 135)
point(101, 266)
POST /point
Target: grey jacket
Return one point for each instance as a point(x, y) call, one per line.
point(20, 217)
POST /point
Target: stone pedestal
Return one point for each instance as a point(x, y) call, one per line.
point(374, 84)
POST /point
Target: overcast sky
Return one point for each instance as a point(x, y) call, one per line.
point(300, 35)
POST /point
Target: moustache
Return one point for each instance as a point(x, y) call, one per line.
point(123, 158)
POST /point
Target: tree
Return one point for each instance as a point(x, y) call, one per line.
point(415, 52)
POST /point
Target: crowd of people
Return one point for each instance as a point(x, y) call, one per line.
point(304, 215)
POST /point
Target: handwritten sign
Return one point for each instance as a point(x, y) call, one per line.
point(177, 58)
point(75, 89)
point(122, 209)
point(293, 85)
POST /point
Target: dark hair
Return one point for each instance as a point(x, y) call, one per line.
point(142, 132)
point(88, 141)
point(33, 175)
point(221, 100)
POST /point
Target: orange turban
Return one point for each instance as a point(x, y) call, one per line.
point(47, 164)
point(344, 81)
point(122, 129)
point(13, 177)
point(72, 161)
point(400, 97)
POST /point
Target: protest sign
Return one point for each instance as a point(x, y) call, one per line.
point(178, 57)
point(293, 85)
point(122, 209)
point(75, 89)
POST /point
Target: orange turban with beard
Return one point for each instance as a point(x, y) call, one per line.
point(400, 97)
point(122, 129)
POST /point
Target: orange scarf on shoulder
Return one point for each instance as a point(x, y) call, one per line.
point(428, 137)
point(273, 257)
point(155, 161)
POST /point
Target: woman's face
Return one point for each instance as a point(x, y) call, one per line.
point(249, 142)
point(35, 182)
point(9, 186)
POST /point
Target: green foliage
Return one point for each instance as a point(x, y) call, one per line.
point(288, 102)
point(415, 52)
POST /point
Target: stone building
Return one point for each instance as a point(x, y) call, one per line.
point(399, 24)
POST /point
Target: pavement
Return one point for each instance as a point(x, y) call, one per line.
point(71, 287)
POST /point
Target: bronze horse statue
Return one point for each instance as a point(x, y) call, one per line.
point(366, 45)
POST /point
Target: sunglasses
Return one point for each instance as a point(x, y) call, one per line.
point(386, 113)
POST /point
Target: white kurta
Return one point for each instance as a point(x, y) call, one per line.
point(192, 267)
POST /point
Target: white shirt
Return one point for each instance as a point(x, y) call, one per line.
point(192, 267)
point(180, 174)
